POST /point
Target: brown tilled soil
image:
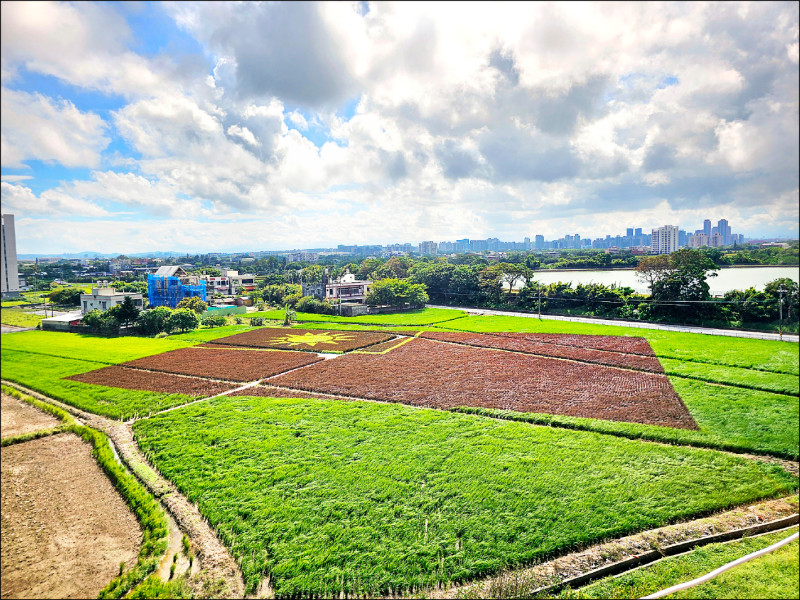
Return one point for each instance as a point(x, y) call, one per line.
point(65, 529)
point(18, 417)
point(445, 375)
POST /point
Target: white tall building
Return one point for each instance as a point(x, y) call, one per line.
point(8, 260)
point(665, 239)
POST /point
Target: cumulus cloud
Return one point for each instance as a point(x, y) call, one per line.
point(37, 127)
point(419, 119)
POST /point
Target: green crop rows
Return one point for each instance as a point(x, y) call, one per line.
point(326, 496)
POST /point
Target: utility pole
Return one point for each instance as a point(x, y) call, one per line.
point(781, 292)
point(539, 288)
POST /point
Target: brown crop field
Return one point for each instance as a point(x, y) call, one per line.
point(224, 363)
point(135, 379)
point(439, 375)
point(558, 346)
point(270, 391)
point(313, 340)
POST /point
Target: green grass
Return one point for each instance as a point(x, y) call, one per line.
point(10, 303)
point(779, 383)
point(19, 318)
point(81, 346)
point(44, 374)
point(365, 497)
point(774, 575)
point(423, 316)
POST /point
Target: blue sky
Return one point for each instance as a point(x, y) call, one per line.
point(203, 127)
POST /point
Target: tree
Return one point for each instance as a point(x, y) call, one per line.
point(652, 268)
point(153, 321)
point(101, 321)
point(183, 319)
point(126, 312)
point(193, 303)
point(513, 273)
point(396, 292)
point(312, 274)
point(490, 283)
point(66, 296)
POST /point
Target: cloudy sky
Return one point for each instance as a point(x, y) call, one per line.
point(134, 127)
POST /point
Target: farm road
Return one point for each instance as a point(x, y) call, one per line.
point(787, 337)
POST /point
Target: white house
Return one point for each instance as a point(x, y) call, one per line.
point(104, 298)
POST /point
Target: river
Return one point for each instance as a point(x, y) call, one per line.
point(733, 278)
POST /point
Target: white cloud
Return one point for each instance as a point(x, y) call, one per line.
point(37, 127)
point(21, 200)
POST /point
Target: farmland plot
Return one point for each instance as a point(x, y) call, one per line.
point(224, 362)
point(304, 339)
point(568, 346)
point(135, 379)
point(437, 375)
point(329, 496)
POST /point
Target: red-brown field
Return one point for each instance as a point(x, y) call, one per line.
point(313, 340)
point(224, 363)
point(439, 375)
point(270, 391)
point(629, 352)
point(135, 379)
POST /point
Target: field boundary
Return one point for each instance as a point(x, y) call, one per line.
point(221, 573)
point(629, 552)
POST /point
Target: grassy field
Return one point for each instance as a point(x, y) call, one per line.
point(19, 318)
point(772, 576)
point(326, 496)
point(44, 374)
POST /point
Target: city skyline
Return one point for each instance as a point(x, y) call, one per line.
point(135, 127)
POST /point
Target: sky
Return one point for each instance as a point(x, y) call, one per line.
point(222, 127)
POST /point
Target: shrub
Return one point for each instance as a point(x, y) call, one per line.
point(193, 303)
point(214, 321)
point(309, 304)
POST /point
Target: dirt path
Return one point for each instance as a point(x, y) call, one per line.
point(218, 575)
point(65, 529)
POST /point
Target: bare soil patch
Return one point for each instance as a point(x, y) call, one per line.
point(548, 345)
point(136, 379)
point(224, 363)
point(309, 340)
point(65, 529)
point(18, 417)
point(438, 375)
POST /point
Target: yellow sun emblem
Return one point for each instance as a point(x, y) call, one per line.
point(312, 339)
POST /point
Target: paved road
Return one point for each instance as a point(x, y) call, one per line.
point(638, 324)
point(12, 329)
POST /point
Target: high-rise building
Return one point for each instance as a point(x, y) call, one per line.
point(427, 248)
point(637, 232)
point(724, 231)
point(707, 227)
point(665, 239)
point(539, 242)
point(8, 260)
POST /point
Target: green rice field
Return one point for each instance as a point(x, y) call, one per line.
point(330, 496)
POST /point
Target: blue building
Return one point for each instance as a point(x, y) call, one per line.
point(169, 285)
